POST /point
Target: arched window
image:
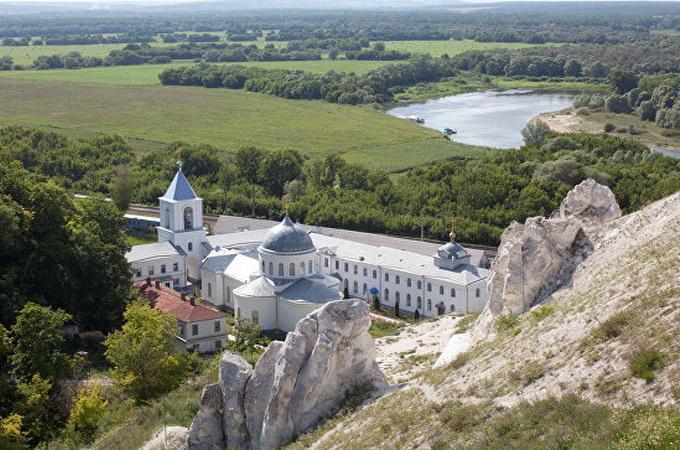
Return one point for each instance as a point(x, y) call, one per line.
point(256, 317)
point(429, 287)
point(310, 266)
point(365, 272)
point(419, 302)
point(188, 218)
point(228, 295)
point(364, 287)
point(387, 276)
point(355, 287)
point(263, 266)
point(280, 269)
point(429, 304)
point(375, 274)
point(167, 218)
point(271, 268)
point(302, 268)
point(190, 246)
point(397, 279)
point(396, 296)
point(291, 269)
point(453, 308)
point(420, 284)
point(408, 299)
point(210, 290)
point(453, 292)
point(386, 297)
point(441, 290)
point(408, 282)
point(477, 292)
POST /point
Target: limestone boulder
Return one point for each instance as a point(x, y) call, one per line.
point(297, 382)
point(206, 432)
point(538, 257)
point(590, 202)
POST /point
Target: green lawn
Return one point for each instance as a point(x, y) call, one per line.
point(151, 115)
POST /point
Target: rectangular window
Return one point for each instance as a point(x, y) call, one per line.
point(218, 326)
point(337, 265)
point(175, 267)
point(138, 273)
point(325, 262)
point(218, 345)
point(194, 330)
point(151, 270)
point(356, 269)
point(162, 268)
point(346, 267)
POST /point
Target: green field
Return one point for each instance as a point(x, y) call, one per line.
point(228, 119)
point(451, 48)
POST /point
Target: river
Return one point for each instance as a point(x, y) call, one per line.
point(490, 119)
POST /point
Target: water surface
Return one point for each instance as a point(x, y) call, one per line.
point(491, 118)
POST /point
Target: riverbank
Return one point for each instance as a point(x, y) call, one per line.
point(567, 121)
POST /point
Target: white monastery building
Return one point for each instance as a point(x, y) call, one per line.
point(278, 275)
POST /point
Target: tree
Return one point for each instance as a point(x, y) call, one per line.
point(147, 362)
point(34, 408)
point(396, 308)
point(122, 187)
point(416, 314)
point(535, 132)
point(87, 412)
point(617, 104)
point(376, 303)
point(345, 292)
point(246, 334)
point(247, 160)
point(277, 168)
point(622, 80)
point(38, 343)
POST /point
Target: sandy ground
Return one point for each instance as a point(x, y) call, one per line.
point(415, 348)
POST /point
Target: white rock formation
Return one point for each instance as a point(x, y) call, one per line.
point(293, 385)
point(538, 257)
point(168, 438)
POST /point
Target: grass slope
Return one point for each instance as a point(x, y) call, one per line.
point(152, 115)
point(596, 367)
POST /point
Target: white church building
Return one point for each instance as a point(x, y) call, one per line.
point(275, 276)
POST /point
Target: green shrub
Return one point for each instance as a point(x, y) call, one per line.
point(609, 127)
point(506, 322)
point(612, 327)
point(643, 364)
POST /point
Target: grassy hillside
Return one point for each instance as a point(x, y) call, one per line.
point(152, 115)
point(597, 367)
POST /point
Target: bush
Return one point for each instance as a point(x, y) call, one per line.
point(645, 362)
point(609, 127)
point(506, 322)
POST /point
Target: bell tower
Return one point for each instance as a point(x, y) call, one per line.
point(181, 217)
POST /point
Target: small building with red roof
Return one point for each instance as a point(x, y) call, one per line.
point(201, 328)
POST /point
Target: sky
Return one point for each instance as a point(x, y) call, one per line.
point(334, 3)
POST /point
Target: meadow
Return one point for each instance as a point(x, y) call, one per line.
point(150, 116)
point(450, 47)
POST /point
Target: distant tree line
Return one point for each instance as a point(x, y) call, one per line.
point(377, 85)
point(591, 23)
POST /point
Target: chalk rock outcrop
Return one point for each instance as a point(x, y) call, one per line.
point(294, 384)
point(538, 257)
point(590, 202)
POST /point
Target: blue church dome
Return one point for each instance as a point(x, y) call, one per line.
point(287, 237)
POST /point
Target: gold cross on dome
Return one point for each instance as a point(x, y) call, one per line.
point(453, 233)
point(286, 202)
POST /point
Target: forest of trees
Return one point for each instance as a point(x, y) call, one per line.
point(484, 194)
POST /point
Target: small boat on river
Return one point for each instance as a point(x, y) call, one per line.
point(416, 119)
